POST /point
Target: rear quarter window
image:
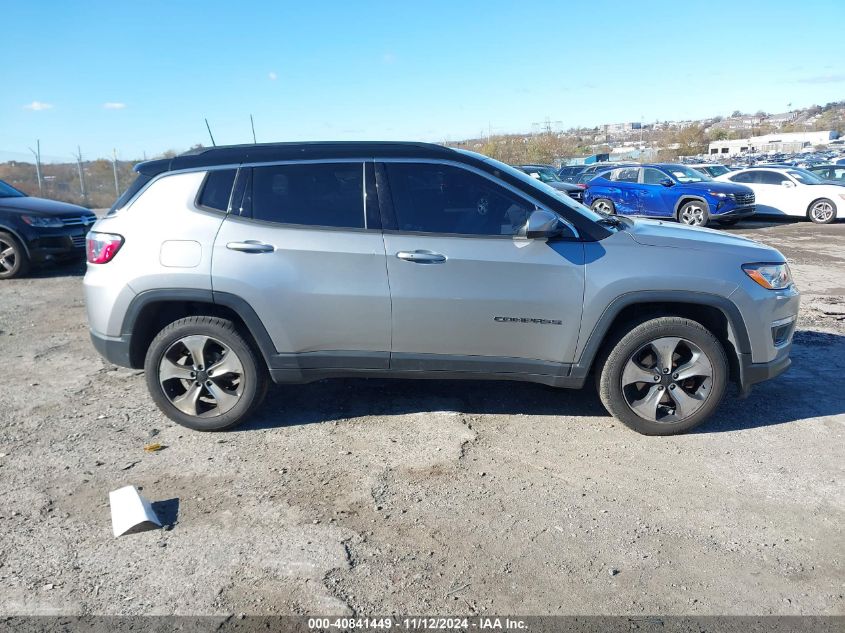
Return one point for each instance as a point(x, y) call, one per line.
point(216, 190)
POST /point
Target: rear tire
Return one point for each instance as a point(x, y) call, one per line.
point(603, 205)
point(14, 262)
point(635, 388)
point(204, 375)
point(822, 211)
point(694, 213)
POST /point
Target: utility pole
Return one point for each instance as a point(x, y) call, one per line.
point(81, 175)
point(252, 123)
point(37, 155)
point(114, 166)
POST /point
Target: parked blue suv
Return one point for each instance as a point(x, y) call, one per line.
point(669, 191)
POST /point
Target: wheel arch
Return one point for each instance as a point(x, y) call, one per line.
point(5, 228)
point(688, 197)
point(717, 313)
point(152, 310)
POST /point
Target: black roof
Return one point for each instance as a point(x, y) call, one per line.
point(268, 152)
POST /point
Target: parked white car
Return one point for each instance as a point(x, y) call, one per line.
point(791, 191)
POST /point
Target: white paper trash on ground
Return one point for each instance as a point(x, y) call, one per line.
point(130, 511)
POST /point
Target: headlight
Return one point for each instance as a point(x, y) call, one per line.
point(42, 221)
point(770, 276)
point(842, 195)
point(718, 194)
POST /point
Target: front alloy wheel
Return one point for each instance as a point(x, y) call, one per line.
point(13, 259)
point(664, 376)
point(694, 214)
point(667, 380)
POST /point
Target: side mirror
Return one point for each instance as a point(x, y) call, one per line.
point(787, 183)
point(667, 182)
point(542, 224)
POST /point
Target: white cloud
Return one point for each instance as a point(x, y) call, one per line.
point(272, 75)
point(114, 105)
point(37, 106)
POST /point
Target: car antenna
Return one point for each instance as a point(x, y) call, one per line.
point(252, 123)
point(210, 134)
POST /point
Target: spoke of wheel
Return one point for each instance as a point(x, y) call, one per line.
point(634, 373)
point(196, 346)
point(699, 365)
point(647, 407)
point(685, 404)
point(223, 398)
point(6, 252)
point(665, 348)
point(229, 364)
point(187, 402)
point(169, 370)
point(5, 265)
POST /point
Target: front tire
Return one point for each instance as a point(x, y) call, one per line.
point(14, 262)
point(666, 376)
point(694, 213)
point(203, 374)
point(822, 211)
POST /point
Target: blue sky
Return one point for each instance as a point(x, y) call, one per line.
point(426, 70)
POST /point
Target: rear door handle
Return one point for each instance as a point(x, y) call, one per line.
point(421, 257)
point(251, 246)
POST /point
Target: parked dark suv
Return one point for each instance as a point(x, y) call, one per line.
point(35, 230)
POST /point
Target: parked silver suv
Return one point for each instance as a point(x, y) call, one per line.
point(222, 267)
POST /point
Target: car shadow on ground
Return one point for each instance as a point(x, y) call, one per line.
point(803, 392)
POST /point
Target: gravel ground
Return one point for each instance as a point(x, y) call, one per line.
point(376, 496)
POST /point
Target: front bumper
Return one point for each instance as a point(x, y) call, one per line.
point(752, 373)
point(735, 213)
point(52, 247)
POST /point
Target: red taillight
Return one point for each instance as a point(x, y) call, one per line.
point(102, 247)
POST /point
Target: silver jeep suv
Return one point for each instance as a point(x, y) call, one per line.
point(223, 267)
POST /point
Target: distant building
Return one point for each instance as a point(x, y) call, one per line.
point(786, 142)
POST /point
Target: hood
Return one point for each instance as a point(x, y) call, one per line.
point(719, 186)
point(563, 186)
point(42, 206)
point(673, 235)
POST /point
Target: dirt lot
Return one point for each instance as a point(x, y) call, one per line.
point(372, 497)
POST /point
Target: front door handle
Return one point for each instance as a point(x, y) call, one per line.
point(421, 257)
point(251, 246)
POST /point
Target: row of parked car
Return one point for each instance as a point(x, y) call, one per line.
point(705, 193)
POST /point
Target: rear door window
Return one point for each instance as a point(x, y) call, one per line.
point(312, 194)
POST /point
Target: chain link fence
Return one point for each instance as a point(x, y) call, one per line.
point(95, 184)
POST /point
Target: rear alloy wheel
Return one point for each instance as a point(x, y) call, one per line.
point(694, 213)
point(14, 261)
point(665, 376)
point(822, 211)
point(604, 206)
point(203, 375)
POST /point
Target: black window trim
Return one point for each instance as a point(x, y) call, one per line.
point(389, 215)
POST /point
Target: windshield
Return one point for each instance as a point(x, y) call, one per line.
point(537, 184)
point(804, 176)
point(8, 191)
point(546, 174)
point(717, 170)
point(684, 174)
